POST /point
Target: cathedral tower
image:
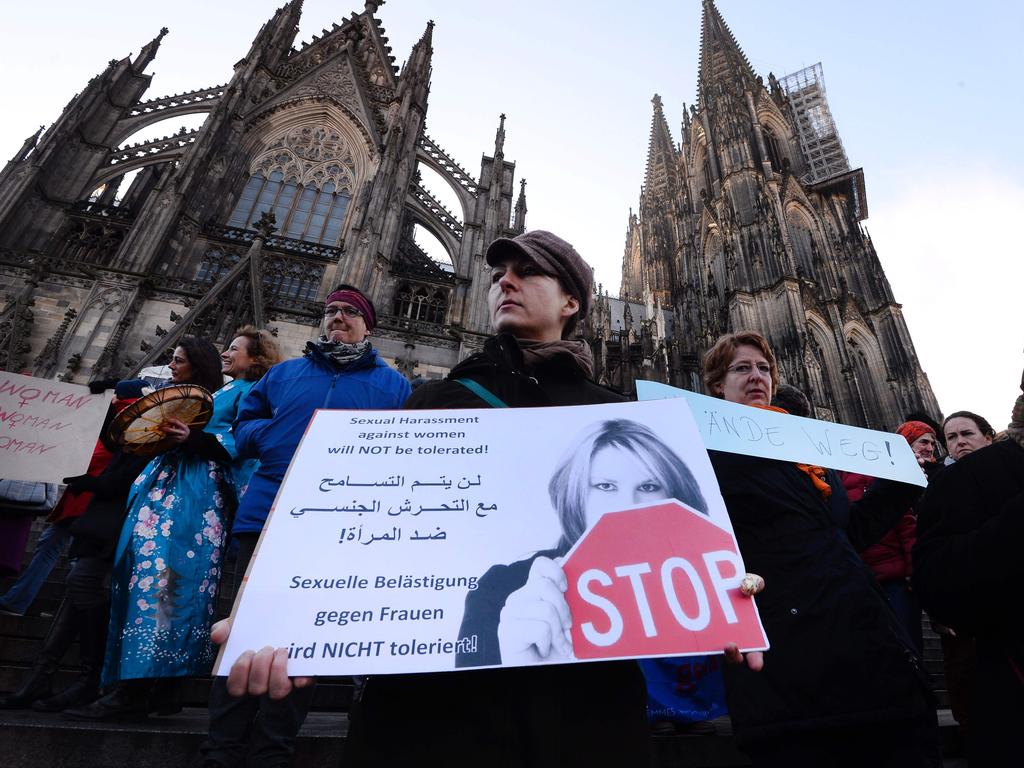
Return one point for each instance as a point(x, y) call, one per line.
point(755, 222)
point(305, 173)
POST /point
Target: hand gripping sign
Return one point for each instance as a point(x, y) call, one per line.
point(659, 580)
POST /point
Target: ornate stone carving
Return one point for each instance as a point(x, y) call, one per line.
point(335, 83)
point(310, 155)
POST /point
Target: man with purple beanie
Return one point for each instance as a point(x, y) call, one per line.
point(339, 370)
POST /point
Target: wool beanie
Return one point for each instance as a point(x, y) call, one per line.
point(357, 300)
point(912, 430)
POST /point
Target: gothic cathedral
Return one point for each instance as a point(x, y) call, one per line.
point(304, 174)
point(754, 222)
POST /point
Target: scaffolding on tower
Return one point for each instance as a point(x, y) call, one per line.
point(819, 141)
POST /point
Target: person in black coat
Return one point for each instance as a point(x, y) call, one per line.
point(841, 685)
point(970, 530)
point(586, 714)
point(572, 715)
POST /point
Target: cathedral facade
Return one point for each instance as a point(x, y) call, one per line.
point(754, 221)
point(303, 175)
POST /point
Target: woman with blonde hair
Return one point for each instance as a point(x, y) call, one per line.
point(612, 466)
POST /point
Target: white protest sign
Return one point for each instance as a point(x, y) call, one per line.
point(398, 536)
point(48, 429)
point(736, 428)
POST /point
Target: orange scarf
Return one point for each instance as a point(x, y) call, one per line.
point(817, 474)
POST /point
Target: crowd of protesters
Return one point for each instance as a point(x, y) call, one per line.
point(848, 561)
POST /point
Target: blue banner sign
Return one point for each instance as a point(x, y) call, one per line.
point(736, 428)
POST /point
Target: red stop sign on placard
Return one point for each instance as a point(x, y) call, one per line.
point(658, 581)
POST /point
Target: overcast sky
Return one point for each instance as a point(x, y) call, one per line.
point(925, 94)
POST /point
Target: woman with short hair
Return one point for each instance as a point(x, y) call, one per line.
point(841, 685)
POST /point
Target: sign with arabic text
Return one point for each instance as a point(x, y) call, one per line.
point(416, 541)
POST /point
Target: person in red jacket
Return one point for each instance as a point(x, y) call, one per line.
point(890, 558)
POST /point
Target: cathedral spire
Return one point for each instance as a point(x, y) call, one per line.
point(720, 55)
point(276, 37)
point(148, 52)
point(661, 174)
point(29, 145)
point(499, 136)
point(416, 72)
point(519, 224)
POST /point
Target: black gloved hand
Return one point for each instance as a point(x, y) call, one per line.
point(99, 386)
point(79, 483)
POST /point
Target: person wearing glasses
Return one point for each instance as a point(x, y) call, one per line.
point(341, 369)
point(842, 684)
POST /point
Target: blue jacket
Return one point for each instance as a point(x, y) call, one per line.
point(273, 417)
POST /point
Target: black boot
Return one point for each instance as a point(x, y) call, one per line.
point(126, 701)
point(92, 642)
point(165, 696)
point(84, 689)
point(38, 683)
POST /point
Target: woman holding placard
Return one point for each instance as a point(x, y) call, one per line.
point(841, 684)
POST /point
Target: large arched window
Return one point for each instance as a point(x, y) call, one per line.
point(715, 261)
point(302, 212)
point(771, 145)
point(305, 178)
point(418, 302)
point(803, 241)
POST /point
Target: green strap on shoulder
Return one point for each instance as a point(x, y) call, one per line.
point(483, 393)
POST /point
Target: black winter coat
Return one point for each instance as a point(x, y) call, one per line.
point(838, 657)
point(569, 715)
point(96, 531)
point(970, 534)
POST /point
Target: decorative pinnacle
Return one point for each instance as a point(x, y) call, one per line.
point(266, 225)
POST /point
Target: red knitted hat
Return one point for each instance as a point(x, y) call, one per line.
point(912, 430)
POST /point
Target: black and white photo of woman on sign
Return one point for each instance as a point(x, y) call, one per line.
point(444, 540)
point(518, 612)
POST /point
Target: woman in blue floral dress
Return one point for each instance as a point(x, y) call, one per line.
point(168, 561)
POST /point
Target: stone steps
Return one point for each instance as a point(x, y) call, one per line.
point(35, 740)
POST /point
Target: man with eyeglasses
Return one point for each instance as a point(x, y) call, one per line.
point(339, 370)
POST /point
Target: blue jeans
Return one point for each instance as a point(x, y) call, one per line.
point(49, 548)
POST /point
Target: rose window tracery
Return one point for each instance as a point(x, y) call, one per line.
point(306, 178)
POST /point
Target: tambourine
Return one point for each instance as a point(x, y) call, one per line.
point(137, 427)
